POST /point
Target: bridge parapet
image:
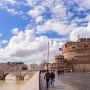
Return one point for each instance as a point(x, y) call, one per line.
point(32, 84)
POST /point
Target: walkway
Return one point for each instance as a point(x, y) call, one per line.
point(58, 85)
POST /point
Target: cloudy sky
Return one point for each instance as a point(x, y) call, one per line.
point(27, 26)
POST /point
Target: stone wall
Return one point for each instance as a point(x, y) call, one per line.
point(32, 84)
point(75, 49)
point(80, 67)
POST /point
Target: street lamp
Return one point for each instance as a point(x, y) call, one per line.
point(48, 56)
point(60, 49)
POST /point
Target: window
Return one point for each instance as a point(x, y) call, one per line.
point(65, 46)
point(73, 47)
point(86, 46)
point(79, 46)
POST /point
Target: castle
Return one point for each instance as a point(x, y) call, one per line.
point(75, 56)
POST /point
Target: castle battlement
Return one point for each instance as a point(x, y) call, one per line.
point(83, 40)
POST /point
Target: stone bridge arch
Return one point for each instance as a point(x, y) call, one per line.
point(19, 74)
point(5, 75)
point(25, 75)
point(8, 74)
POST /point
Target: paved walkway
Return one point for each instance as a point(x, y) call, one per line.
point(58, 85)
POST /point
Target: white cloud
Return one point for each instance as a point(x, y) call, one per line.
point(36, 11)
point(77, 32)
point(56, 8)
point(31, 2)
point(33, 13)
point(82, 32)
point(59, 11)
point(39, 19)
point(1, 34)
point(13, 11)
point(26, 47)
point(55, 26)
point(15, 31)
point(3, 42)
point(85, 4)
point(70, 15)
point(87, 18)
point(10, 1)
point(88, 27)
point(4, 3)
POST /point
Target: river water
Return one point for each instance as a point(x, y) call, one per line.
point(11, 84)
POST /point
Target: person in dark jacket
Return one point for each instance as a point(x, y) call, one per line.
point(52, 78)
point(47, 77)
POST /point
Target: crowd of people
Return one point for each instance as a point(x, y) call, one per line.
point(60, 72)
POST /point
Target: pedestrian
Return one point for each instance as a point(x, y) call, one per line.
point(62, 71)
point(83, 71)
point(52, 78)
point(58, 72)
point(47, 77)
point(40, 71)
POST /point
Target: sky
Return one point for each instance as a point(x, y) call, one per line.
point(29, 27)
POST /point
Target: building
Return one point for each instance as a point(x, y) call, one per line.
point(75, 56)
point(59, 64)
point(78, 54)
point(33, 67)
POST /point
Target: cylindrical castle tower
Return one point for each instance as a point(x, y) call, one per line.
point(71, 50)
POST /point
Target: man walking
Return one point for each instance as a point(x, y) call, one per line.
point(47, 77)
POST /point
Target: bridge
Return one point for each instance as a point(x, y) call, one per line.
point(67, 81)
point(19, 74)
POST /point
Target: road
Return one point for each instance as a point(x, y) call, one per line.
point(76, 80)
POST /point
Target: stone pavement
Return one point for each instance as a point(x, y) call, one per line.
point(78, 81)
point(58, 85)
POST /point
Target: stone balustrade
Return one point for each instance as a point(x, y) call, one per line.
point(33, 83)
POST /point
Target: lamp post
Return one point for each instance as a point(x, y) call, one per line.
point(48, 47)
point(48, 56)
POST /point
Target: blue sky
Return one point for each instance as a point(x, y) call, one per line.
point(27, 25)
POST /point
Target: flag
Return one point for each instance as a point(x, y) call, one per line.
point(60, 49)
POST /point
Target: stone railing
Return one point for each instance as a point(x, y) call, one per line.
point(32, 84)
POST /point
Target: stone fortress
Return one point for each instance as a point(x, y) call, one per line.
point(81, 48)
point(75, 56)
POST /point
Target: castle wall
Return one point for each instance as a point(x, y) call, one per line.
point(71, 49)
point(80, 51)
point(80, 67)
point(76, 52)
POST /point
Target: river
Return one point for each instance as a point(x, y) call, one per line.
point(10, 82)
point(11, 85)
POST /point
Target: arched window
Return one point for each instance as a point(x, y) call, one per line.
point(86, 46)
point(65, 45)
